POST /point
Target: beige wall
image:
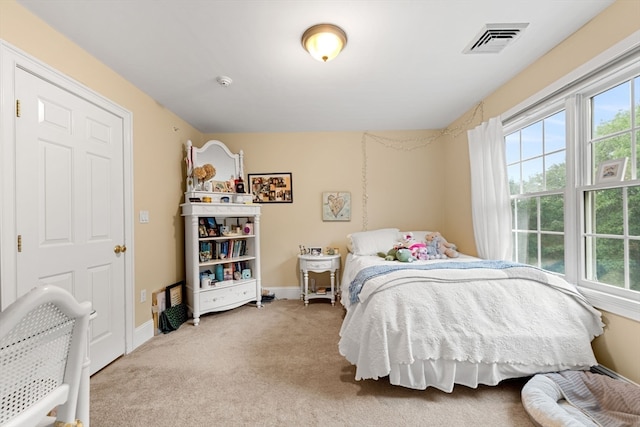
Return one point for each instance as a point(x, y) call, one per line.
point(407, 189)
point(157, 149)
point(619, 347)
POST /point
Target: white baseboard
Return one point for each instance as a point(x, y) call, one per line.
point(288, 292)
point(613, 374)
point(142, 334)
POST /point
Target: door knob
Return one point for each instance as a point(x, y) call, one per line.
point(119, 249)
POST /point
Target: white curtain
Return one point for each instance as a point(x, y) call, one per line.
point(490, 203)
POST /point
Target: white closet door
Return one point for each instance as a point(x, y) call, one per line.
point(70, 205)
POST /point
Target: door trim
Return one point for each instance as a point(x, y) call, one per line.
point(12, 58)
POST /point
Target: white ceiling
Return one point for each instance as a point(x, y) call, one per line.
point(403, 66)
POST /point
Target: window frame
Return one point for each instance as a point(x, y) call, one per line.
point(572, 93)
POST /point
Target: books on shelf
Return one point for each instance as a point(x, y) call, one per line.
point(224, 249)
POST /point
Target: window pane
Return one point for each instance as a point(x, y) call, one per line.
point(608, 211)
point(554, 132)
point(637, 155)
point(513, 172)
point(612, 148)
point(633, 202)
point(552, 248)
point(608, 262)
point(532, 175)
point(611, 111)
point(527, 247)
point(555, 173)
point(526, 214)
point(532, 140)
point(634, 264)
point(552, 213)
point(512, 147)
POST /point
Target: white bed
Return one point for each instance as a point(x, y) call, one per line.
point(426, 324)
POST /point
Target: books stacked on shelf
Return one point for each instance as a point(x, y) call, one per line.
point(231, 248)
point(227, 249)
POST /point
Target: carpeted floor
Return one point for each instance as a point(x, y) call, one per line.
point(276, 366)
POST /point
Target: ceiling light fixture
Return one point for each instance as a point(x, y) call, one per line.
point(324, 41)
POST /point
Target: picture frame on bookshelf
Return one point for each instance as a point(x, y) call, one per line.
point(228, 272)
point(212, 227)
point(206, 252)
point(221, 186)
point(202, 228)
point(207, 227)
point(271, 187)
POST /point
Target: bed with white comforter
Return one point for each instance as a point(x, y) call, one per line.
point(460, 321)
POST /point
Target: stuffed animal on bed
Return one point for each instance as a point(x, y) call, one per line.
point(438, 247)
point(397, 254)
point(421, 253)
point(409, 242)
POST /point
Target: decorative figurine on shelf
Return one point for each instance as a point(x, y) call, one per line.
point(239, 185)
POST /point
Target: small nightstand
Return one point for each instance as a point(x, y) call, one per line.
point(318, 264)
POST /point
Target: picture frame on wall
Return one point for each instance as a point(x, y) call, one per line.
point(336, 206)
point(271, 187)
point(611, 170)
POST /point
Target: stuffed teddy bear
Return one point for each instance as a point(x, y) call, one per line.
point(438, 244)
point(397, 254)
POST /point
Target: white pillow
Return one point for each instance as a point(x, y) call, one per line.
point(372, 242)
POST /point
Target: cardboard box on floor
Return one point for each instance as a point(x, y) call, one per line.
point(158, 305)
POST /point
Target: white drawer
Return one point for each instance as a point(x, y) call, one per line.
point(319, 265)
point(219, 299)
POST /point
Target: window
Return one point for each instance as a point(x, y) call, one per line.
point(536, 164)
point(611, 213)
point(566, 219)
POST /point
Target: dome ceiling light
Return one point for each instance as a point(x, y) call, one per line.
point(324, 41)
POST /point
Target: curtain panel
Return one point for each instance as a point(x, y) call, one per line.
point(490, 205)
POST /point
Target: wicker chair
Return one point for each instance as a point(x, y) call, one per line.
point(42, 349)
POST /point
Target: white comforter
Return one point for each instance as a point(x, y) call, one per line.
point(478, 318)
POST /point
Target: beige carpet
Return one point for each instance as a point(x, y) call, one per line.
point(277, 366)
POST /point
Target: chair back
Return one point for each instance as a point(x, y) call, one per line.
point(43, 338)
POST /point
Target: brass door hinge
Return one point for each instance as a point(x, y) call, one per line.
point(17, 108)
point(19, 242)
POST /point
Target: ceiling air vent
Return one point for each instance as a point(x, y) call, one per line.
point(494, 37)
